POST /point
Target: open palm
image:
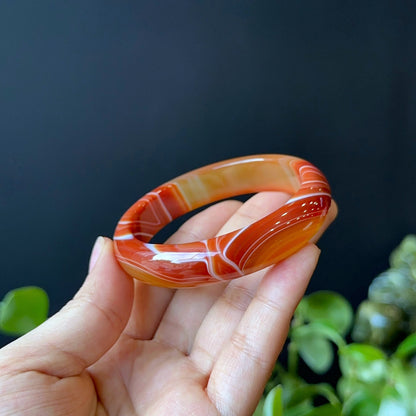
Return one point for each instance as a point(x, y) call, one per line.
point(124, 348)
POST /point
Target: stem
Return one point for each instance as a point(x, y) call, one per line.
point(292, 358)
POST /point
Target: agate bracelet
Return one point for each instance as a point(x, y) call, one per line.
point(238, 253)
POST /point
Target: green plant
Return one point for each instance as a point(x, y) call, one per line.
point(377, 371)
point(23, 309)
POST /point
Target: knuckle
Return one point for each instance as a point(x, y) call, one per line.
point(243, 346)
point(276, 307)
point(238, 297)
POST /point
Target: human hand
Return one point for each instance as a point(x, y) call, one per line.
point(121, 347)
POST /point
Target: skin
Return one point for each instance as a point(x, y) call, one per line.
point(120, 347)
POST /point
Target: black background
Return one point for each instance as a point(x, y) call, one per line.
point(102, 101)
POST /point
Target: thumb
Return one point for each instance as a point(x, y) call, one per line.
point(85, 328)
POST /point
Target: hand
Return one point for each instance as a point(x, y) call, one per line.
point(124, 348)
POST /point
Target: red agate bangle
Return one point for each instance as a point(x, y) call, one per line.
point(254, 247)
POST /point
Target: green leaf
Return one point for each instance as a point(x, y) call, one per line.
point(361, 403)
point(23, 309)
point(346, 386)
point(310, 391)
point(316, 352)
point(405, 254)
point(403, 379)
point(377, 323)
point(291, 384)
point(299, 410)
point(298, 397)
point(273, 405)
point(396, 287)
point(312, 343)
point(363, 362)
point(325, 410)
point(392, 403)
point(327, 307)
point(407, 347)
point(319, 329)
point(259, 408)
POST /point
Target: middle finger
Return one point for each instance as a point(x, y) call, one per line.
point(189, 307)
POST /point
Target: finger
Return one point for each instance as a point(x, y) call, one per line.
point(87, 327)
point(151, 302)
point(228, 311)
point(188, 308)
point(242, 369)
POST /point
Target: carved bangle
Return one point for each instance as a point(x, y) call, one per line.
point(254, 247)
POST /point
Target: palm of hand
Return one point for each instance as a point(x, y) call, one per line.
point(124, 348)
point(151, 379)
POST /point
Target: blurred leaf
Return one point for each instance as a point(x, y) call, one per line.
point(23, 309)
point(299, 410)
point(377, 323)
point(312, 343)
point(325, 410)
point(327, 307)
point(361, 403)
point(392, 403)
point(291, 384)
point(259, 408)
point(403, 378)
point(273, 405)
point(310, 391)
point(396, 287)
point(316, 352)
point(363, 362)
point(293, 403)
point(318, 329)
point(407, 347)
point(405, 254)
point(346, 387)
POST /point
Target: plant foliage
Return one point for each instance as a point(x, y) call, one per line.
point(377, 369)
point(23, 309)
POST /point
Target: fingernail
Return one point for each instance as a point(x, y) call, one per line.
point(96, 251)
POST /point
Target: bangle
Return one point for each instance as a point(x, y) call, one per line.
point(238, 253)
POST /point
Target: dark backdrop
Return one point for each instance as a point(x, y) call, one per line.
point(102, 101)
